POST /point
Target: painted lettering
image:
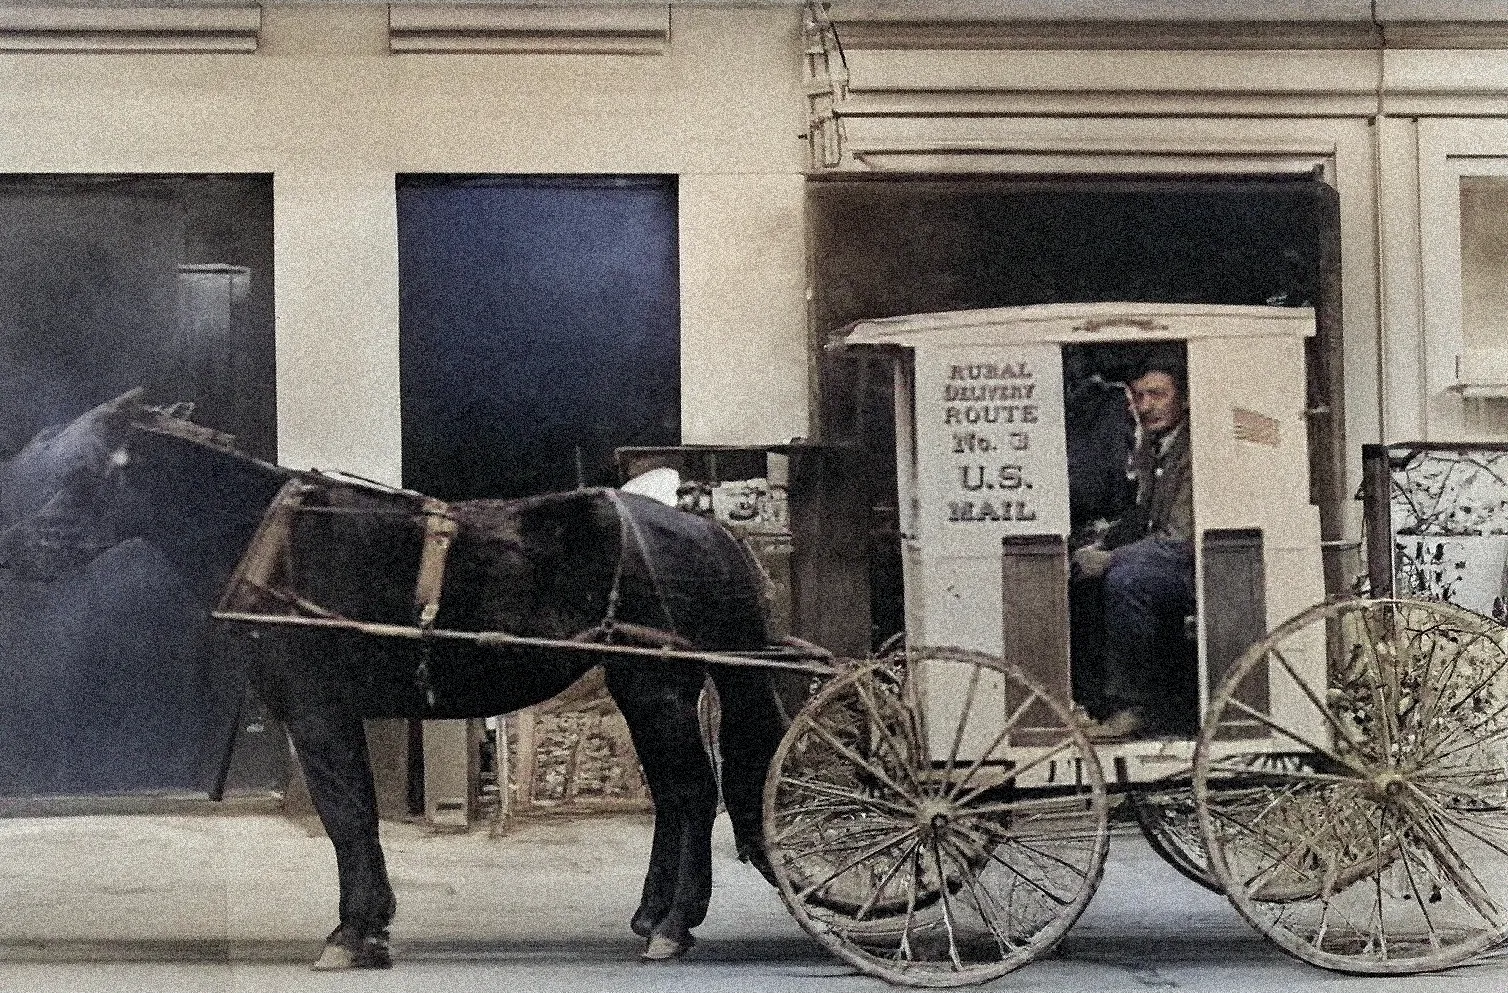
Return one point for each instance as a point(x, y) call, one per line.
point(993, 370)
point(987, 394)
point(989, 511)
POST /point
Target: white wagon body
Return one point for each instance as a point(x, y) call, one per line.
point(940, 817)
point(982, 457)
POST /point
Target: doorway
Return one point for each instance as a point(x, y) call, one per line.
point(539, 330)
point(890, 244)
point(109, 282)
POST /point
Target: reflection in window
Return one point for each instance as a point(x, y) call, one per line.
point(108, 283)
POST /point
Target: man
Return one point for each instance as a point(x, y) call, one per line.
point(1147, 559)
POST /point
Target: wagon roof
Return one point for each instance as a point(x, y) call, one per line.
point(1081, 322)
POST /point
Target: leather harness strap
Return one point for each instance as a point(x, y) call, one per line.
point(631, 541)
point(440, 529)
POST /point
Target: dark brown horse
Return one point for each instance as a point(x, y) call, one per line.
point(554, 567)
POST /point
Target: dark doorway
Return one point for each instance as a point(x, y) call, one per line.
point(540, 329)
point(110, 282)
point(885, 245)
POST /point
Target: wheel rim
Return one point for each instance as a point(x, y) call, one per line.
point(1374, 835)
point(1169, 820)
point(934, 866)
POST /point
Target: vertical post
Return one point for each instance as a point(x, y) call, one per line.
point(526, 764)
point(1377, 513)
point(448, 773)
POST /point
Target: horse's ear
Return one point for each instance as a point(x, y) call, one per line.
point(127, 404)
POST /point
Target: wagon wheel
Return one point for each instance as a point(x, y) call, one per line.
point(1378, 842)
point(1168, 816)
point(943, 865)
point(1169, 819)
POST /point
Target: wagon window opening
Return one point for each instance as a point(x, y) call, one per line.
point(1133, 651)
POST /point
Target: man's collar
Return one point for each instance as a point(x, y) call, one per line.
point(1165, 440)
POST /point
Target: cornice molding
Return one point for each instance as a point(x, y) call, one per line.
point(34, 28)
point(1103, 35)
point(514, 28)
point(1463, 35)
point(871, 30)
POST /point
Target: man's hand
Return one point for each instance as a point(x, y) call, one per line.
point(1091, 561)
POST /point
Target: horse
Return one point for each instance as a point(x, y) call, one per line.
point(564, 567)
point(55, 506)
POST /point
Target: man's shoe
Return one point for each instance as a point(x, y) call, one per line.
point(1118, 726)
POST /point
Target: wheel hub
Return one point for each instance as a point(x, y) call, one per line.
point(1388, 784)
point(933, 818)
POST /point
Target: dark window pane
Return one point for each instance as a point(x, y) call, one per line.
point(540, 329)
point(107, 283)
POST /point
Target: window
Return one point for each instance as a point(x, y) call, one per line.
point(539, 326)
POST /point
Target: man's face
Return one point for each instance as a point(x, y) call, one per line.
point(1157, 401)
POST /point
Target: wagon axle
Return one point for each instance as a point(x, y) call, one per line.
point(933, 817)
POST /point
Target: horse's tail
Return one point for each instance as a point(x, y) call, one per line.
point(752, 724)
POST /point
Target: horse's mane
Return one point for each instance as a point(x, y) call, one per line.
point(516, 522)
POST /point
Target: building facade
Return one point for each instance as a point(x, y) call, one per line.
point(1396, 109)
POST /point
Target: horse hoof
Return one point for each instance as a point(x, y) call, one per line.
point(334, 958)
point(662, 948)
point(370, 953)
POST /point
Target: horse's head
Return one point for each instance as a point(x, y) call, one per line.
point(74, 460)
point(124, 470)
point(188, 490)
point(58, 493)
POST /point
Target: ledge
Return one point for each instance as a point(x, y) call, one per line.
point(1160, 25)
point(129, 29)
point(511, 28)
point(881, 33)
point(1481, 374)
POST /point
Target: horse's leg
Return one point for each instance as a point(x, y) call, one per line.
point(659, 703)
point(660, 878)
point(751, 730)
point(332, 749)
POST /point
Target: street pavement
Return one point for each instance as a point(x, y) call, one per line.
point(184, 904)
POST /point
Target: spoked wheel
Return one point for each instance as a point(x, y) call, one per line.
point(1352, 786)
point(935, 819)
point(1168, 816)
point(1169, 819)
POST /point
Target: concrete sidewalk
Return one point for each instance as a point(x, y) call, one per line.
point(263, 887)
point(207, 902)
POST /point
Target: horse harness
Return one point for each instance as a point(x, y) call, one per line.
point(440, 529)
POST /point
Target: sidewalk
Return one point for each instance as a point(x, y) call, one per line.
point(262, 888)
point(208, 903)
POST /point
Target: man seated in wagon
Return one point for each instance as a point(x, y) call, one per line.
point(1146, 559)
